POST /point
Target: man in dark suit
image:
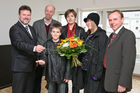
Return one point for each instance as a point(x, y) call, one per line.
point(120, 56)
point(42, 29)
point(24, 49)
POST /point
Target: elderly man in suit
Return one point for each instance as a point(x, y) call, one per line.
point(24, 49)
point(120, 56)
point(42, 29)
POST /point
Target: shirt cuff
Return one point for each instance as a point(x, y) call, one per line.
point(34, 48)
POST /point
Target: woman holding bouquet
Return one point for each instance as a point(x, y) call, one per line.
point(69, 30)
point(93, 59)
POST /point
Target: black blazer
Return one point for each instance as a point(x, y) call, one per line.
point(120, 62)
point(79, 31)
point(23, 57)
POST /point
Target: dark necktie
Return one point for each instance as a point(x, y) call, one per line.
point(27, 29)
point(113, 37)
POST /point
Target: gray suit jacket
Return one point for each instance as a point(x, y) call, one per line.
point(40, 30)
point(121, 57)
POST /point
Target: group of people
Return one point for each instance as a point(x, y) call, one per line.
point(107, 66)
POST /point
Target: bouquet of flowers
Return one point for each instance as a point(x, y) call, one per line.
point(72, 47)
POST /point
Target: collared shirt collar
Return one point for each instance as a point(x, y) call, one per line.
point(118, 30)
point(45, 21)
point(23, 24)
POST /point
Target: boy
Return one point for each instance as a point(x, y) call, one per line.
point(57, 67)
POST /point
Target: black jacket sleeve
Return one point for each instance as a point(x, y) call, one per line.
point(68, 70)
point(102, 46)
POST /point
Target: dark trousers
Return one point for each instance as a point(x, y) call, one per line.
point(55, 87)
point(38, 78)
point(93, 86)
point(77, 79)
point(23, 82)
point(74, 90)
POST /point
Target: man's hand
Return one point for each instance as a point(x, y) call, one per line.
point(39, 48)
point(121, 89)
point(40, 62)
point(66, 80)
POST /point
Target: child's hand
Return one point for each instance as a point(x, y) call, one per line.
point(40, 62)
point(66, 80)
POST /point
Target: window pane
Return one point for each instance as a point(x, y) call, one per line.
point(132, 21)
point(62, 19)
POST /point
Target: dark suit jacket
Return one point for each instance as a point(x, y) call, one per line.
point(40, 30)
point(121, 56)
point(23, 57)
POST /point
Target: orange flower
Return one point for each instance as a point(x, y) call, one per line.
point(72, 37)
point(57, 46)
point(71, 45)
point(79, 40)
point(75, 44)
point(66, 39)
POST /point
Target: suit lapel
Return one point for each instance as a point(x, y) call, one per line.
point(77, 32)
point(33, 33)
point(43, 28)
point(109, 40)
point(24, 30)
point(49, 33)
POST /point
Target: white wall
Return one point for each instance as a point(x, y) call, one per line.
point(93, 4)
point(9, 10)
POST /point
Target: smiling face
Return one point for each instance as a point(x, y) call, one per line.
point(115, 20)
point(91, 24)
point(25, 16)
point(71, 18)
point(55, 33)
point(49, 12)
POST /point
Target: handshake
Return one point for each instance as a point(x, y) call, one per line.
point(39, 49)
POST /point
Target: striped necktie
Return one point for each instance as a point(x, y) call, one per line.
point(27, 29)
point(105, 57)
